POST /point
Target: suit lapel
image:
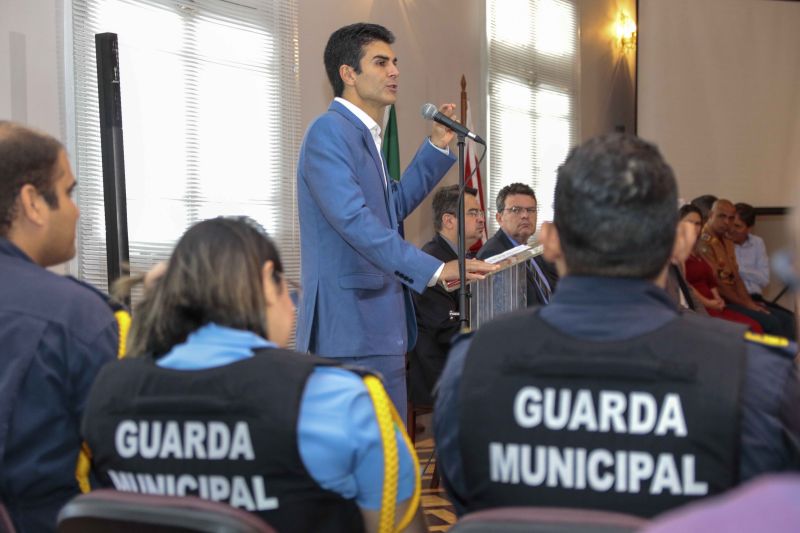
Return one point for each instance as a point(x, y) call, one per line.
point(369, 144)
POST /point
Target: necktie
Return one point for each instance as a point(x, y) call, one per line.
point(541, 286)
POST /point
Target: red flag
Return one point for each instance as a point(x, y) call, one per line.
point(474, 180)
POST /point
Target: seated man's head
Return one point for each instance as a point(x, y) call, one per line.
point(615, 213)
point(37, 212)
point(225, 271)
point(744, 220)
point(445, 221)
point(720, 218)
point(516, 211)
point(704, 203)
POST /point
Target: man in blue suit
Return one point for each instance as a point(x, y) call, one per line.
point(356, 268)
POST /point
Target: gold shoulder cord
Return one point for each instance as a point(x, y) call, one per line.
point(124, 322)
point(84, 463)
point(387, 418)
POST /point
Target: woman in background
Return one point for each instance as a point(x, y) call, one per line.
point(210, 403)
point(700, 277)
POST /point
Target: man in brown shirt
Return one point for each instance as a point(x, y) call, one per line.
point(718, 250)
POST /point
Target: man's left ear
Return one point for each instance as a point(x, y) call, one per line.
point(271, 288)
point(31, 205)
point(548, 236)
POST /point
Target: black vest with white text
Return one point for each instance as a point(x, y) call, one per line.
point(226, 434)
point(637, 426)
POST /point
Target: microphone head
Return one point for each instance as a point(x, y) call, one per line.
point(428, 111)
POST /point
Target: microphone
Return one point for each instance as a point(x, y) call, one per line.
point(429, 112)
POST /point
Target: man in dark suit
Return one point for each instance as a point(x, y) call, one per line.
point(435, 325)
point(516, 214)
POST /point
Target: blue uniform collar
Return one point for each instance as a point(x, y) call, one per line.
point(599, 308)
point(212, 346)
point(12, 250)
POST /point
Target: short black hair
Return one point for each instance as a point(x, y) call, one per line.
point(704, 204)
point(614, 208)
point(685, 209)
point(445, 200)
point(747, 213)
point(514, 188)
point(346, 47)
point(27, 157)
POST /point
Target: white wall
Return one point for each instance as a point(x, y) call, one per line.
point(719, 92)
point(31, 63)
point(608, 73)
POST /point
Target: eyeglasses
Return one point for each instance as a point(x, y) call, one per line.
point(473, 213)
point(516, 210)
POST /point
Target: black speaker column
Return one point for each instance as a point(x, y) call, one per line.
point(108, 91)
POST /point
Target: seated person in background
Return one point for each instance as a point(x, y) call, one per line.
point(516, 214)
point(55, 332)
point(209, 403)
point(609, 398)
point(701, 278)
point(717, 249)
point(703, 204)
point(751, 255)
point(436, 327)
point(676, 286)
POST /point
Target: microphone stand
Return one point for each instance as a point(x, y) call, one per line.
point(462, 252)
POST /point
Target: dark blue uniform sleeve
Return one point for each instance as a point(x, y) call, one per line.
point(770, 419)
point(85, 362)
point(445, 423)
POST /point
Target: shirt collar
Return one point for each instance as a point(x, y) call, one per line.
point(360, 115)
point(510, 238)
point(211, 346)
point(9, 248)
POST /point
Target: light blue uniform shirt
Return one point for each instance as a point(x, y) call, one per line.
point(337, 432)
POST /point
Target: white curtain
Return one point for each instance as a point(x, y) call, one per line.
point(533, 103)
point(210, 117)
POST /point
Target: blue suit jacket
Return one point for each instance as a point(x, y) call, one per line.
point(355, 265)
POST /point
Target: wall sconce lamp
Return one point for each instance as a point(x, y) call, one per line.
point(625, 29)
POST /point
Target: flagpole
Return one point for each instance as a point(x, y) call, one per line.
point(462, 253)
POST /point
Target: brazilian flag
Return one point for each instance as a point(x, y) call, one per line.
point(391, 145)
point(390, 148)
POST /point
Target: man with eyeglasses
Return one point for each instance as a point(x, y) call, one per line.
point(516, 214)
point(435, 324)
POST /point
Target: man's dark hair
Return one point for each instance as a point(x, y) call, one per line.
point(704, 203)
point(685, 209)
point(26, 157)
point(445, 200)
point(514, 188)
point(747, 213)
point(615, 210)
point(346, 47)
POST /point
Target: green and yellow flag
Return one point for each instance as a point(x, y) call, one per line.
point(390, 148)
point(391, 145)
